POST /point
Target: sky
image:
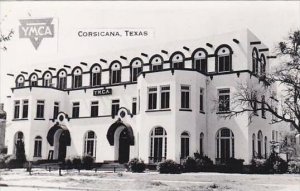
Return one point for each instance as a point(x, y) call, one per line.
point(164, 21)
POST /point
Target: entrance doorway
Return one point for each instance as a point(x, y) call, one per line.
point(124, 146)
point(62, 149)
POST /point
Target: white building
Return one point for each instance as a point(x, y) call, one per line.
point(152, 106)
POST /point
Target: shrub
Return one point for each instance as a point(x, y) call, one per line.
point(204, 163)
point(258, 166)
point(234, 165)
point(190, 165)
point(3, 158)
point(11, 162)
point(169, 167)
point(294, 167)
point(136, 165)
point(77, 163)
point(275, 164)
point(68, 164)
point(88, 162)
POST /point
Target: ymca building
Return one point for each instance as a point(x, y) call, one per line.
point(155, 105)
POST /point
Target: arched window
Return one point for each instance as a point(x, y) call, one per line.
point(185, 145)
point(77, 77)
point(201, 144)
point(266, 146)
point(33, 79)
point(177, 60)
point(20, 81)
point(200, 60)
point(96, 75)
point(158, 145)
point(253, 146)
point(223, 59)
point(262, 65)
point(225, 145)
point(259, 144)
point(90, 143)
point(62, 79)
point(255, 61)
point(136, 68)
point(115, 72)
point(37, 146)
point(47, 79)
point(19, 142)
point(156, 62)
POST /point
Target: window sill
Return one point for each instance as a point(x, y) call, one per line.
point(21, 119)
point(39, 118)
point(202, 112)
point(223, 112)
point(185, 109)
point(158, 110)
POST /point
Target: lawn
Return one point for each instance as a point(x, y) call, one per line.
point(41, 179)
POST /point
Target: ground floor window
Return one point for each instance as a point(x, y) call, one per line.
point(38, 146)
point(90, 140)
point(225, 144)
point(259, 144)
point(201, 144)
point(253, 145)
point(266, 140)
point(19, 142)
point(185, 145)
point(158, 145)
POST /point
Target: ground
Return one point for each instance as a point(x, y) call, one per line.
point(41, 179)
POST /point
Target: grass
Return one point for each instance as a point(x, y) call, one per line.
point(151, 181)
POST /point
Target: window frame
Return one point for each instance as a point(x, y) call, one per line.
point(76, 109)
point(185, 103)
point(40, 112)
point(227, 109)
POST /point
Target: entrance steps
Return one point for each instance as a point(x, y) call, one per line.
point(112, 166)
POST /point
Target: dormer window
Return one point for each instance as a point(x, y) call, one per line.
point(223, 59)
point(136, 68)
point(62, 79)
point(177, 60)
point(77, 77)
point(20, 81)
point(156, 63)
point(200, 60)
point(255, 61)
point(33, 79)
point(115, 72)
point(96, 75)
point(47, 79)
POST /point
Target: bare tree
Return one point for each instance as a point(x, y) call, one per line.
point(253, 98)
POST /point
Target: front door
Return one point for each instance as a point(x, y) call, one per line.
point(62, 149)
point(225, 150)
point(124, 146)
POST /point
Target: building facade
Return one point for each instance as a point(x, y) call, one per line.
point(165, 105)
point(2, 127)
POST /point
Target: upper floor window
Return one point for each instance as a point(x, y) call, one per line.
point(96, 75)
point(223, 59)
point(115, 72)
point(75, 110)
point(262, 65)
point(77, 78)
point(62, 79)
point(40, 109)
point(263, 111)
point(177, 60)
point(115, 105)
point(47, 79)
point(20, 81)
point(156, 63)
point(25, 109)
point(255, 61)
point(200, 60)
point(224, 100)
point(17, 109)
point(165, 97)
point(94, 108)
point(136, 68)
point(185, 97)
point(55, 109)
point(133, 110)
point(202, 99)
point(33, 79)
point(152, 98)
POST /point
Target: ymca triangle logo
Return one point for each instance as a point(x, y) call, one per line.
point(36, 30)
